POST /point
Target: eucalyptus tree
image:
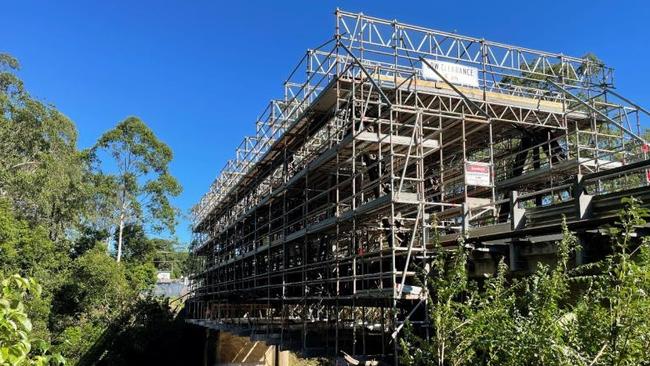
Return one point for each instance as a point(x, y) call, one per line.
point(42, 173)
point(142, 185)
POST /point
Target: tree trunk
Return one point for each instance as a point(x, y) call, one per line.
point(119, 238)
point(123, 207)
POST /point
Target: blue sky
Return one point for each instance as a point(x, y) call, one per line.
point(200, 72)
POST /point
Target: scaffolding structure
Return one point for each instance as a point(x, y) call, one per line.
point(313, 236)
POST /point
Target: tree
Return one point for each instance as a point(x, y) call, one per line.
point(42, 172)
point(591, 67)
point(142, 180)
point(88, 238)
point(95, 292)
point(138, 248)
point(27, 250)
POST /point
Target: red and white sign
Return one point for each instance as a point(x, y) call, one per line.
point(478, 174)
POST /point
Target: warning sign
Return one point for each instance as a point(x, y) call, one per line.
point(454, 73)
point(477, 174)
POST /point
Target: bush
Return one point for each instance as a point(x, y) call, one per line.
point(538, 320)
point(17, 346)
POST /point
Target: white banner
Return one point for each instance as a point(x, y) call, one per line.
point(477, 174)
point(454, 73)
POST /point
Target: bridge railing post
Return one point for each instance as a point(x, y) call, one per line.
point(466, 218)
point(517, 214)
point(581, 198)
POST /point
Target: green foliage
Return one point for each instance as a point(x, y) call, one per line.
point(141, 276)
point(17, 345)
point(97, 291)
point(96, 287)
point(88, 238)
point(591, 67)
point(181, 263)
point(27, 250)
point(596, 314)
point(450, 295)
point(617, 306)
point(75, 340)
point(139, 248)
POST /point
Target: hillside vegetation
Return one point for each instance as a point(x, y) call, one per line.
point(79, 228)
